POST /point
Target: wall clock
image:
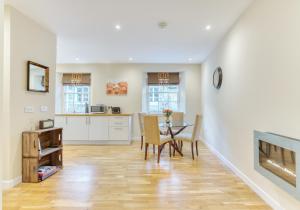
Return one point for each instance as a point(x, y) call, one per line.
point(217, 78)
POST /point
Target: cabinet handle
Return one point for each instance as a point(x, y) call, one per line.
point(34, 144)
point(66, 120)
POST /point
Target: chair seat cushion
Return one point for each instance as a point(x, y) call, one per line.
point(184, 137)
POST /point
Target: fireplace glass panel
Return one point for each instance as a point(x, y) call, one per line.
point(278, 160)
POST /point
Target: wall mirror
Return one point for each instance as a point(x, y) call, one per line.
point(37, 77)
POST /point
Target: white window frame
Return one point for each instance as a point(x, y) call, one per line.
point(182, 92)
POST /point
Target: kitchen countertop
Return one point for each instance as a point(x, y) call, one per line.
point(92, 114)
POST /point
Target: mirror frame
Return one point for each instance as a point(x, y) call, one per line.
point(46, 77)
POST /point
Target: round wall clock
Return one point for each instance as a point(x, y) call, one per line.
point(217, 78)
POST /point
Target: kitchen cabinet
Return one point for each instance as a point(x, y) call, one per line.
point(98, 128)
point(95, 128)
point(118, 133)
point(76, 129)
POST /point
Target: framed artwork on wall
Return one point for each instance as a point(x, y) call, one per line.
point(117, 88)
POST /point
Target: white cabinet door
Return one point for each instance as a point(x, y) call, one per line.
point(76, 128)
point(98, 128)
point(118, 133)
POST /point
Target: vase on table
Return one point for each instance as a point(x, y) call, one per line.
point(168, 120)
point(167, 114)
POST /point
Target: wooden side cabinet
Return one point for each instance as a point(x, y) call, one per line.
point(41, 148)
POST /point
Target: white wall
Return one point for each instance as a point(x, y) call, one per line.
point(261, 67)
point(134, 75)
point(1, 95)
point(24, 40)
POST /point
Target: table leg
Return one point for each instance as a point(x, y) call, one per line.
point(175, 147)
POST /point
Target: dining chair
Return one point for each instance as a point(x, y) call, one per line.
point(193, 137)
point(177, 117)
point(152, 135)
point(141, 122)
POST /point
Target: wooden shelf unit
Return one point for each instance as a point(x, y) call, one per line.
point(41, 148)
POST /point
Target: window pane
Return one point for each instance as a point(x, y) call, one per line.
point(79, 89)
point(172, 88)
point(163, 96)
point(69, 88)
point(162, 106)
point(75, 98)
point(153, 107)
point(173, 97)
point(173, 105)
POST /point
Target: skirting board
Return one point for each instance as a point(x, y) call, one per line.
point(265, 196)
point(7, 184)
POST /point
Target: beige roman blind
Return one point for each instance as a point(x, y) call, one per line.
point(76, 79)
point(157, 78)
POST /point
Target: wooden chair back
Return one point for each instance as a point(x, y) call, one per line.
point(197, 128)
point(177, 117)
point(151, 130)
point(141, 116)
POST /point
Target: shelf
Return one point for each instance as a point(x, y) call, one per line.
point(43, 130)
point(49, 151)
point(41, 148)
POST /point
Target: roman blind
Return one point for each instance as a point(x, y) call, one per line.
point(76, 79)
point(157, 78)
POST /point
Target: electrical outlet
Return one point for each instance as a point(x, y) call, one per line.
point(44, 108)
point(28, 109)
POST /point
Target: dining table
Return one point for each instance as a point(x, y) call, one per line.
point(173, 129)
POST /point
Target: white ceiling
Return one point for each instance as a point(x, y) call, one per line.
point(85, 28)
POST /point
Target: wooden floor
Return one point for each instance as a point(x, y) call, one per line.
point(117, 177)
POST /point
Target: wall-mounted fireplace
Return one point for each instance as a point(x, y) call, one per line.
point(276, 157)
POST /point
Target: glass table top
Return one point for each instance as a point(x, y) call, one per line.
point(174, 124)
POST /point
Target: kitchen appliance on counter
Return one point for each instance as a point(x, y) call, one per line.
point(115, 110)
point(99, 109)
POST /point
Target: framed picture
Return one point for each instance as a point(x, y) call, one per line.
point(116, 88)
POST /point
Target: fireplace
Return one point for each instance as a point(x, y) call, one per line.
point(276, 158)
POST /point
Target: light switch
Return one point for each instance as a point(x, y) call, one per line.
point(28, 109)
point(44, 108)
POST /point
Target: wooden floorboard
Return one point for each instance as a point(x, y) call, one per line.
point(118, 178)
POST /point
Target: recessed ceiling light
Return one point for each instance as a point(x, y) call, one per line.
point(77, 59)
point(130, 59)
point(208, 27)
point(190, 59)
point(118, 27)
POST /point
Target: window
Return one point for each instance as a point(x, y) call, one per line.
point(161, 97)
point(75, 98)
